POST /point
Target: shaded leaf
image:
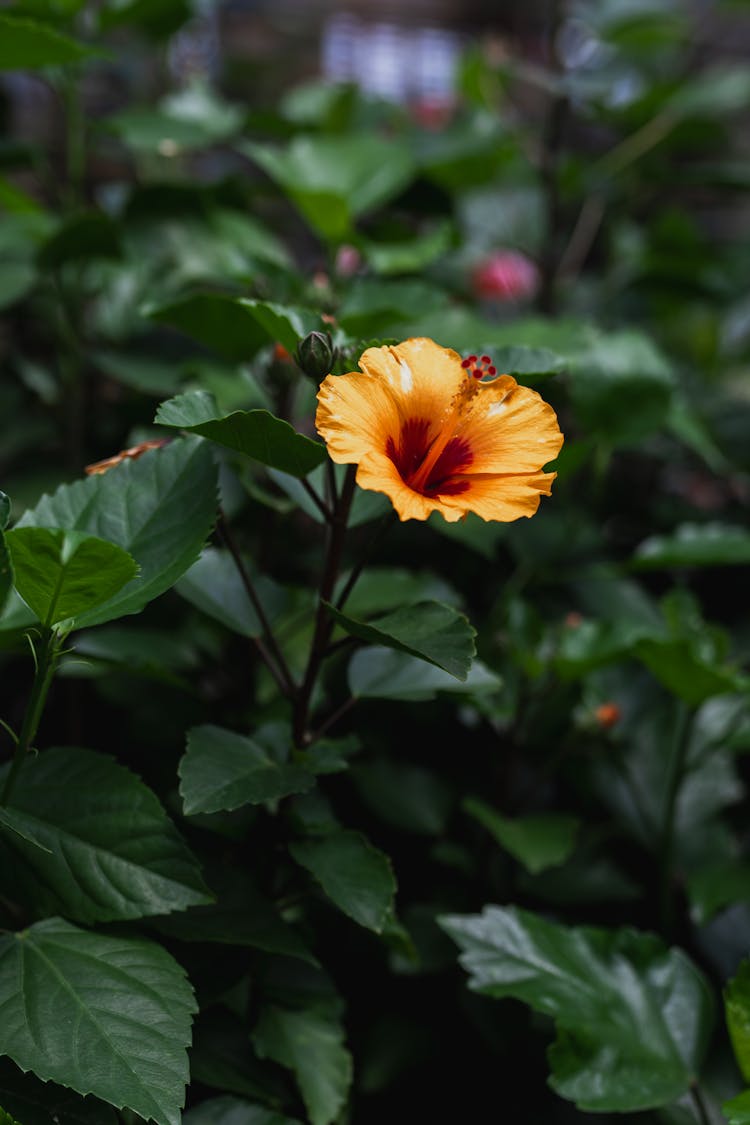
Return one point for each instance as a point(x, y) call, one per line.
point(27, 45)
point(43, 1103)
point(62, 574)
point(71, 1003)
point(356, 876)
point(538, 842)
point(430, 631)
point(229, 1110)
point(213, 585)
point(309, 1043)
point(254, 433)
point(381, 673)
point(223, 770)
point(220, 322)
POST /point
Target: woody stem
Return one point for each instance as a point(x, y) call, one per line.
point(323, 622)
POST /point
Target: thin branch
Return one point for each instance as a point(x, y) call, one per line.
point(323, 508)
point(268, 648)
point(582, 238)
point(700, 1105)
point(549, 160)
point(375, 540)
point(334, 717)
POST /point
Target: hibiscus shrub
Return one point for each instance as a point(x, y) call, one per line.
point(369, 744)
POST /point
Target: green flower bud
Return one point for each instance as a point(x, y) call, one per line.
point(315, 355)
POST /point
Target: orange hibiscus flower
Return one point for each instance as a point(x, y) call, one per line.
point(425, 428)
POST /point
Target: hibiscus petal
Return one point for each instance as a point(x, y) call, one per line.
point(378, 473)
point(502, 497)
point(510, 429)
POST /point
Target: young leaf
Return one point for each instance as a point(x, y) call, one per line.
point(93, 840)
point(103, 1015)
point(430, 631)
point(737, 1010)
point(222, 770)
point(310, 1043)
point(356, 876)
point(538, 842)
point(159, 509)
point(254, 433)
point(633, 1017)
point(61, 574)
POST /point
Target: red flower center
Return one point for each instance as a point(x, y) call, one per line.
point(410, 452)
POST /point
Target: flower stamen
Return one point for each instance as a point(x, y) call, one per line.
point(480, 368)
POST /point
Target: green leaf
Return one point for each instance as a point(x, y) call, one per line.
point(708, 544)
point(737, 1011)
point(411, 255)
point(633, 1017)
point(715, 885)
point(62, 574)
point(4, 510)
point(7, 577)
point(538, 842)
point(737, 1111)
point(310, 1043)
point(85, 236)
point(608, 375)
point(687, 672)
point(240, 916)
point(214, 585)
point(43, 1103)
point(405, 795)
point(222, 1058)
point(103, 1015)
point(254, 433)
point(16, 280)
point(332, 179)
point(430, 631)
point(282, 324)
point(381, 673)
point(219, 322)
point(228, 1110)
point(356, 876)
point(6, 1119)
point(525, 363)
point(27, 45)
point(111, 851)
point(159, 508)
point(223, 770)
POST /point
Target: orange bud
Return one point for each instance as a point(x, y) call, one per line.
point(607, 714)
point(281, 354)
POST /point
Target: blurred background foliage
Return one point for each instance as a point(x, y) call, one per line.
point(186, 188)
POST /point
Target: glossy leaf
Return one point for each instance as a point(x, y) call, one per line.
point(223, 770)
point(737, 1111)
point(159, 508)
point(382, 673)
point(538, 842)
point(63, 574)
point(282, 324)
point(709, 544)
point(310, 1043)
point(633, 1017)
point(430, 631)
point(737, 1010)
point(356, 876)
point(254, 433)
point(106, 850)
point(72, 1001)
point(28, 45)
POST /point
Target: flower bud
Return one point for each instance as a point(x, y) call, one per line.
point(315, 355)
